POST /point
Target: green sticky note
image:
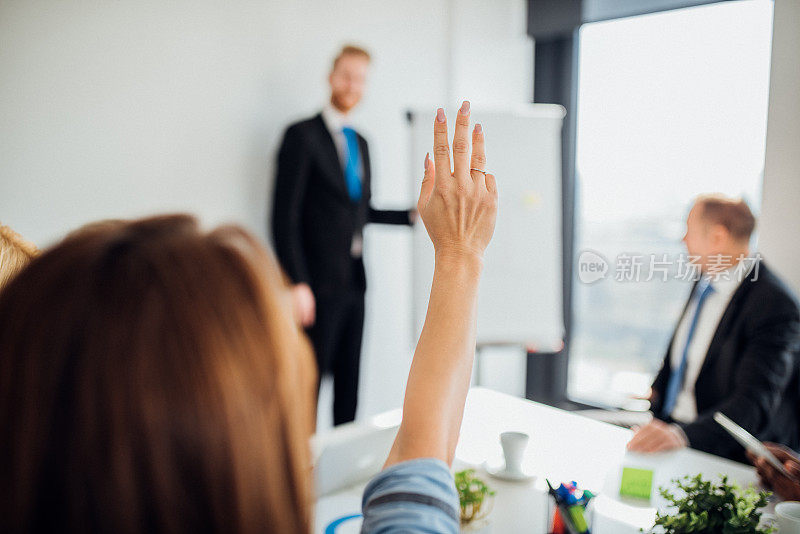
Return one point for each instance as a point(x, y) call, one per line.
point(636, 483)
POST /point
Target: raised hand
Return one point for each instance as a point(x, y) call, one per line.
point(459, 208)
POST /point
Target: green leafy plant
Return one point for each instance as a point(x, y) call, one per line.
point(474, 495)
point(704, 507)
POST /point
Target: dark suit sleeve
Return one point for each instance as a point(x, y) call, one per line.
point(660, 383)
point(390, 216)
point(402, 217)
point(764, 370)
point(290, 187)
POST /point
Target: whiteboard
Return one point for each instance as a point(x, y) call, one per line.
point(520, 296)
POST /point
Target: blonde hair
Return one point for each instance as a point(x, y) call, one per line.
point(350, 50)
point(733, 214)
point(15, 253)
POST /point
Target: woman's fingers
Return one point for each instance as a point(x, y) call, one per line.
point(441, 148)
point(478, 160)
point(491, 184)
point(428, 182)
point(459, 216)
point(461, 143)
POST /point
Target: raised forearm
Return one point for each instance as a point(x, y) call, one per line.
point(459, 209)
point(440, 372)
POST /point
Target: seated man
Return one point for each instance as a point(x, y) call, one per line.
point(735, 348)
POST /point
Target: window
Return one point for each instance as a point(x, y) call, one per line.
point(670, 105)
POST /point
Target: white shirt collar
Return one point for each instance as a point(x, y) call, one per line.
point(726, 282)
point(334, 119)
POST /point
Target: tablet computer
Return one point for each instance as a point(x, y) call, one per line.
point(749, 442)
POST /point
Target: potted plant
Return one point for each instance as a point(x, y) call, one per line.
point(476, 500)
point(703, 507)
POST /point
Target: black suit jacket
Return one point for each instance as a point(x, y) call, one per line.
point(750, 372)
point(313, 218)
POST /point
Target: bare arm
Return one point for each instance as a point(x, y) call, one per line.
point(459, 211)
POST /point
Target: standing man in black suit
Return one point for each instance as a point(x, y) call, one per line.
point(322, 202)
point(735, 349)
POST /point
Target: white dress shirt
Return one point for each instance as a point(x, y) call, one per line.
point(714, 307)
point(335, 121)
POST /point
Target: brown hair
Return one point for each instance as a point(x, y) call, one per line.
point(152, 380)
point(350, 50)
point(15, 253)
point(733, 214)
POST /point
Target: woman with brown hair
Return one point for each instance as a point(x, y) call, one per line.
point(152, 378)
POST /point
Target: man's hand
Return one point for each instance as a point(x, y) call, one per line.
point(657, 436)
point(649, 396)
point(304, 305)
point(771, 478)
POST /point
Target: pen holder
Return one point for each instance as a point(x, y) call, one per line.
point(557, 525)
point(567, 510)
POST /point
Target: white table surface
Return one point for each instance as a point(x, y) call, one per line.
point(562, 447)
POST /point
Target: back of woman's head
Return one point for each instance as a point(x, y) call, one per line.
point(151, 381)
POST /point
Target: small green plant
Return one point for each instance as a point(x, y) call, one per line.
point(475, 496)
point(703, 507)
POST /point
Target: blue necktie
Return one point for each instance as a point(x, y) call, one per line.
point(676, 378)
point(352, 167)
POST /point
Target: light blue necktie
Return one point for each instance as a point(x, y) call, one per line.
point(352, 167)
point(676, 378)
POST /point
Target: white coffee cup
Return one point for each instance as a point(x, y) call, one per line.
point(787, 515)
point(514, 444)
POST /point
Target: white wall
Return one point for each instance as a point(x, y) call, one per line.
point(126, 108)
point(779, 234)
point(491, 53)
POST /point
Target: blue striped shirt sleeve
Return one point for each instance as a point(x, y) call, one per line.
point(415, 496)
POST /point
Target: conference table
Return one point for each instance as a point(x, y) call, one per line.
point(563, 447)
